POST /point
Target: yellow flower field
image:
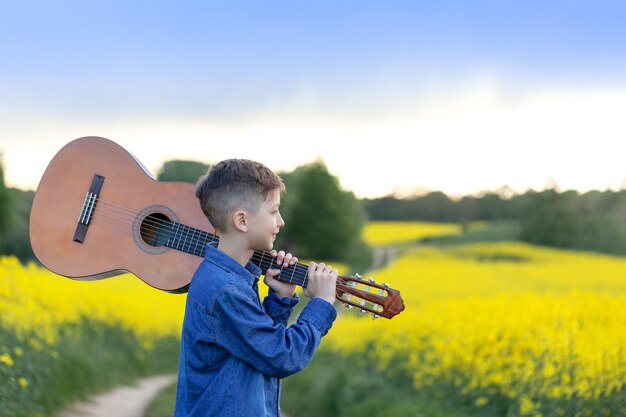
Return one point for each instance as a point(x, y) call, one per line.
point(61, 339)
point(506, 326)
point(387, 232)
point(542, 328)
point(33, 299)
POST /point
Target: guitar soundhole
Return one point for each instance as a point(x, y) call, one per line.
point(152, 228)
point(156, 229)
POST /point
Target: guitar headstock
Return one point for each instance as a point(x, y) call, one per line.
point(368, 296)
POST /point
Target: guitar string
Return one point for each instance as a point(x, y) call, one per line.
point(193, 236)
point(196, 243)
point(154, 226)
point(298, 276)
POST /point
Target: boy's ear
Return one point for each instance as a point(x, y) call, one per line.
point(239, 221)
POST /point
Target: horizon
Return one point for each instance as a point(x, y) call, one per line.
point(504, 191)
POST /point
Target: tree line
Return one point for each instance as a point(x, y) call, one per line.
point(595, 220)
point(324, 221)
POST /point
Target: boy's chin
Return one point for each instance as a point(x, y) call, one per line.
point(265, 248)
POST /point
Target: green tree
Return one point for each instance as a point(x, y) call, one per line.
point(491, 206)
point(323, 222)
point(435, 206)
point(6, 209)
point(15, 240)
point(14, 214)
point(551, 218)
point(180, 170)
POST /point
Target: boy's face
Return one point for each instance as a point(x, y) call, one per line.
point(265, 223)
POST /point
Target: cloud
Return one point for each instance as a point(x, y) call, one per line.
point(458, 141)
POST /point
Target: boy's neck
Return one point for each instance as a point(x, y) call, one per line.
point(235, 249)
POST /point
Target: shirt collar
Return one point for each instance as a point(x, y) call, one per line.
point(250, 273)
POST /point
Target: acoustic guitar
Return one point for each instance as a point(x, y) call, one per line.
point(98, 212)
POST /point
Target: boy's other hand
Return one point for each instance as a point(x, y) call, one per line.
point(284, 260)
point(322, 282)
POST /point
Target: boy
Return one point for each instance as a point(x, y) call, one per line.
point(234, 348)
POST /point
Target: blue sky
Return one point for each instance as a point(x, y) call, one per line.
point(356, 83)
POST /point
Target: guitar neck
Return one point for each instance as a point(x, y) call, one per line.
point(194, 241)
point(295, 274)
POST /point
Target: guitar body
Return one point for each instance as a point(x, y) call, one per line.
point(119, 235)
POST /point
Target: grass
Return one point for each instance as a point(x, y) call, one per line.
point(498, 231)
point(344, 386)
point(340, 386)
point(89, 357)
point(163, 404)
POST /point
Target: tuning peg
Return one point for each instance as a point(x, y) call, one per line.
point(357, 275)
point(348, 306)
point(375, 316)
point(371, 279)
point(363, 311)
point(386, 285)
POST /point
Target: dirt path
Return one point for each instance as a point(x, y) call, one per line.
point(384, 255)
point(124, 401)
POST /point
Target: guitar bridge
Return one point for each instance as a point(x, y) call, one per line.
point(87, 209)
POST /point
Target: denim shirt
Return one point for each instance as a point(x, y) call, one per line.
point(235, 349)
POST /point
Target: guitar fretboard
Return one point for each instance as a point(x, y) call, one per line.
point(194, 241)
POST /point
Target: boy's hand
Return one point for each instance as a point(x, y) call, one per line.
point(282, 289)
point(322, 282)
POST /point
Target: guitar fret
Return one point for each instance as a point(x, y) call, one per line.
point(176, 236)
point(197, 243)
point(176, 241)
point(172, 237)
point(305, 279)
point(292, 274)
point(193, 241)
point(190, 241)
point(181, 241)
point(186, 240)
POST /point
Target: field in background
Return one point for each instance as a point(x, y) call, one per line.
point(386, 232)
point(491, 329)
